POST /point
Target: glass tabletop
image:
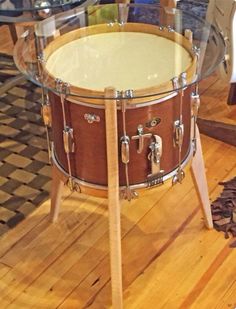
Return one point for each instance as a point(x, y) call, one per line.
point(18, 11)
point(8, 6)
point(138, 50)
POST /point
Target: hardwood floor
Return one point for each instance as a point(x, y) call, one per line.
point(214, 93)
point(169, 259)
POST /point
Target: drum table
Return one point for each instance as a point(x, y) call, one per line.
point(120, 99)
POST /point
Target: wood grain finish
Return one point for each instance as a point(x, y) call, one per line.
point(66, 265)
point(89, 159)
point(199, 178)
point(113, 198)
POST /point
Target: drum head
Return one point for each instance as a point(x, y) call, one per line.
point(137, 57)
point(123, 60)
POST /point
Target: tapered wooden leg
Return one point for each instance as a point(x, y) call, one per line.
point(56, 194)
point(200, 182)
point(113, 200)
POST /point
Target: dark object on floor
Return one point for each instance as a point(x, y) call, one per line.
point(222, 131)
point(224, 209)
point(232, 94)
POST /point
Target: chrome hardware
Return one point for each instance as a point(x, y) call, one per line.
point(46, 113)
point(43, 8)
point(196, 50)
point(47, 118)
point(195, 103)
point(170, 29)
point(183, 79)
point(181, 82)
point(68, 139)
point(91, 118)
point(140, 137)
point(41, 73)
point(58, 84)
point(138, 186)
point(155, 180)
point(72, 185)
point(155, 154)
point(61, 87)
point(40, 58)
point(45, 106)
point(68, 136)
point(128, 194)
point(129, 93)
point(175, 82)
point(119, 94)
point(178, 177)
point(125, 149)
point(178, 133)
point(152, 123)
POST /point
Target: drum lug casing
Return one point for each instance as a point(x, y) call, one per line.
point(156, 176)
point(195, 104)
point(46, 114)
point(68, 139)
point(140, 137)
point(125, 149)
point(178, 133)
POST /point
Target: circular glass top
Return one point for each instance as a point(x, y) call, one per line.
point(138, 50)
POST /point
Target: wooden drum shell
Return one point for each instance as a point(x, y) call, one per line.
point(88, 162)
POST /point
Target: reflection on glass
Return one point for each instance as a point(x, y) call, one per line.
point(129, 47)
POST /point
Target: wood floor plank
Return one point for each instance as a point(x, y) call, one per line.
point(215, 282)
point(207, 83)
point(18, 251)
point(63, 284)
point(228, 300)
point(25, 228)
point(180, 267)
point(214, 106)
point(201, 269)
point(56, 289)
point(145, 244)
point(47, 247)
point(3, 270)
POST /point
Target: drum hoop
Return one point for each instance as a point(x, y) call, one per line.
point(87, 95)
point(128, 106)
point(139, 186)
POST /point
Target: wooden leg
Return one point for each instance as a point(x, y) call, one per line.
point(200, 182)
point(167, 18)
point(56, 193)
point(113, 199)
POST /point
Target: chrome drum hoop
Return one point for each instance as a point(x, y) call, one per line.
point(134, 187)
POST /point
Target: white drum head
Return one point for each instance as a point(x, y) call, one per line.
point(124, 60)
